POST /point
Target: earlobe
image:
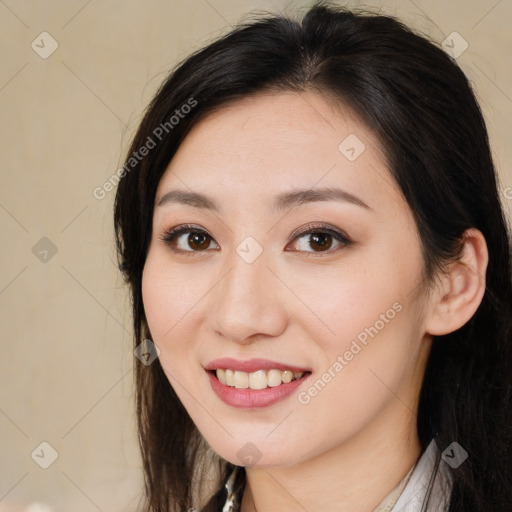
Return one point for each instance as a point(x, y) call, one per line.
point(461, 288)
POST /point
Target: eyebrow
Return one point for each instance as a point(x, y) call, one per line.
point(281, 202)
point(190, 198)
point(300, 197)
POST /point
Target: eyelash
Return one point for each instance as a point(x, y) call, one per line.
point(169, 237)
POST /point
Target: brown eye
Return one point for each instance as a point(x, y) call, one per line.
point(188, 239)
point(320, 241)
point(198, 241)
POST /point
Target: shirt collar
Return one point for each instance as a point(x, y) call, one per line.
point(429, 486)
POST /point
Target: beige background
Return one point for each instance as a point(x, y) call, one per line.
point(66, 357)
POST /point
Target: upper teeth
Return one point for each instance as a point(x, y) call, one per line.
point(256, 380)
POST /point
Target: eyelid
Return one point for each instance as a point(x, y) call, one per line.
point(181, 228)
point(323, 228)
point(339, 235)
point(170, 235)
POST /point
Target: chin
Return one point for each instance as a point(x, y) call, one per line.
point(258, 454)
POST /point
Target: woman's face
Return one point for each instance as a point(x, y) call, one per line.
point(298, 259)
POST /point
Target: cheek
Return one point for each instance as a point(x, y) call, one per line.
point(362, 370)
point(174, 298)
point(359, 299)
point(169, 307)
point(168, 299)
point(169, 294)
point(366, 323)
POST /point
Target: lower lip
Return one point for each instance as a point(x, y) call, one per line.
point(253, 398)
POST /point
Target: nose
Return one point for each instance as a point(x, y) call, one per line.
point(248, 303)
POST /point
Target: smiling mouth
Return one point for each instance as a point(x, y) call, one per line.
point(260, 379)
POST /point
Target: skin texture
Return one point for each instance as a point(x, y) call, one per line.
point(351, 444)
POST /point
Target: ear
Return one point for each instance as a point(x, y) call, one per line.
point(460, 288)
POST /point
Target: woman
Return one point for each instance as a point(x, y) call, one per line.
point(309, 222)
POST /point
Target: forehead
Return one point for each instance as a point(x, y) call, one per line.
point(271, 143)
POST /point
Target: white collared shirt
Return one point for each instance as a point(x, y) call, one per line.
point(431, 474)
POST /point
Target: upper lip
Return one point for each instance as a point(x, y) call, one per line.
point(251, 365)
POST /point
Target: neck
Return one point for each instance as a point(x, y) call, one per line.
point(356, 475)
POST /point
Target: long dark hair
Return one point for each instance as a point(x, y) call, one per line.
point(422, 108)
